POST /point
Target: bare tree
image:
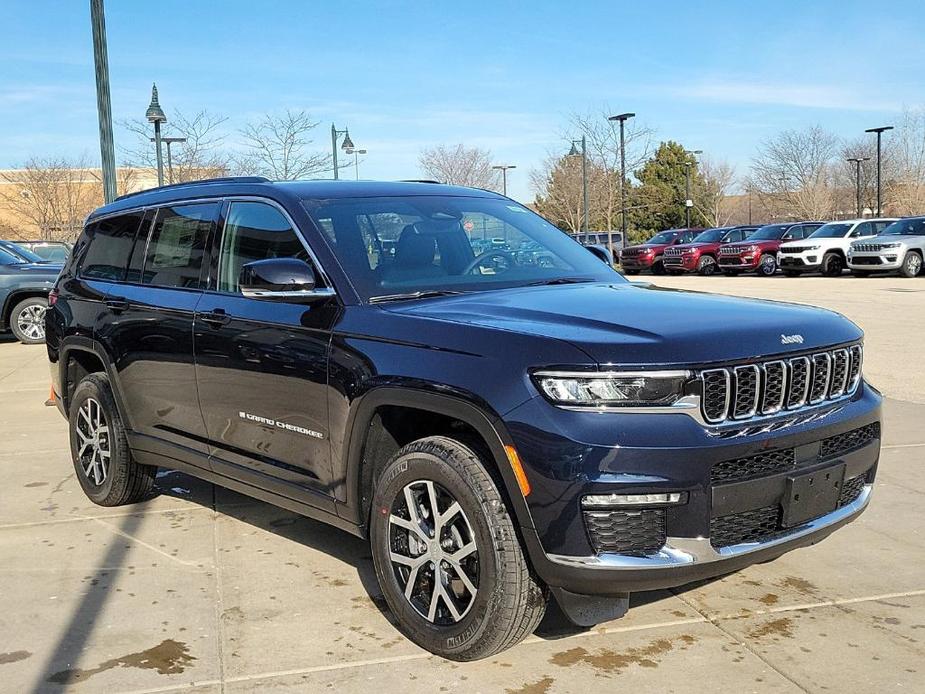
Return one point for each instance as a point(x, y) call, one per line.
point(558, 187)
point(459, 165)
point(796, 169)
point(53, 195)
point(602, 140)
point(202, 155)
point(847, 179)
point(718, 177)
point(904, 166)
point(278, 146)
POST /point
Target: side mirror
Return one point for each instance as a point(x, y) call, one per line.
point(280, 279)
point(601, 252)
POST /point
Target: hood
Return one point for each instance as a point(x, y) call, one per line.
point(646, 246)
point(34, 269)
point(632, 324)
point(822, 243)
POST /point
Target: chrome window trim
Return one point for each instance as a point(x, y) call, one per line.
point(320, 292)
point(687, 551)
point(754, 407)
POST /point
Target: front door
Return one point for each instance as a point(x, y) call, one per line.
point(261, 365)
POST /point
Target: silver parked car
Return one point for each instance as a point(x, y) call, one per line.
point(898, 248)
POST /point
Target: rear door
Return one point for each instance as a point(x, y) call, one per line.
point(149, 329)
point(261, 365)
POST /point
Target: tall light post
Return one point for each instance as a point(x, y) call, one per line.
point(503, 169)
point(574, 152)
point(155, 114)
point(356, 160)
point(857, 179)
point(103, 105)
point(623, 117)
point(879, 132)
point(688, 202)
point(347, 144)
point(169, 141)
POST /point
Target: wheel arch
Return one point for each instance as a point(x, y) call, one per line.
point(78, 355)
point(17, 295)
point(366, 430)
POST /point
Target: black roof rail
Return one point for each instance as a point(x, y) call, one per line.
point(420, 180)
point(202, 181)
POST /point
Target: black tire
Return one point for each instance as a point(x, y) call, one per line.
point(658, 267)
point(23, 320)
point(912, 264)
point(832, 265)
point(791, 273)
point(767, 265)
point(706, 266)
point(123, 481)
point(508, 602)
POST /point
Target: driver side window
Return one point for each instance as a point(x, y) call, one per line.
point(254, 231)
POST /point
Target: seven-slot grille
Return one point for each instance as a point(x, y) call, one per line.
point(795, 249)
point(672, 251)
point(749, 390)
point(731, 250)
point(867, 247)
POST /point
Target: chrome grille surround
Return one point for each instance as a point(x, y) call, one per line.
point(748, 391)
point(672, 251)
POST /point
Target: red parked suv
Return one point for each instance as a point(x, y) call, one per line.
point(700, 254)
point(648, 256)
point(758, 253)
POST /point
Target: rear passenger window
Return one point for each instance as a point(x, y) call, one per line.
point(111, 241)
point(177, 245)
point(254, 231)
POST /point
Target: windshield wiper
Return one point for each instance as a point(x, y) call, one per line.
point(423, 294)
point(561, 280)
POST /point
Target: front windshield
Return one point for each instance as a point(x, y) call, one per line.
point(7, 258)
point(769, 232)
point(906, 227)
point(711, 235)
point(24, 254)
point(832, 230)
point(395, 246)
point(663, 237)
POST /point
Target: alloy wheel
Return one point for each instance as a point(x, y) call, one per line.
point(31, 321)
point(914, 264)
point(768, 265)
point(433, 552)
point(93, 452)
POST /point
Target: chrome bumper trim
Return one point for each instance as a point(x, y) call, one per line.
point(687, 551)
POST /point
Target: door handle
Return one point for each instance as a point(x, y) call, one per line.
point(216, 317)
point(117, 304)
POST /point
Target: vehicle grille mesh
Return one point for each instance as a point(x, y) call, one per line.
point(626, 531)
point(743, 392)
point(849, 440)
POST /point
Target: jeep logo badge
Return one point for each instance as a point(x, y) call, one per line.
point(791, 339)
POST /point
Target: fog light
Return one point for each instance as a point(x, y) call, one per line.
point(599, 500)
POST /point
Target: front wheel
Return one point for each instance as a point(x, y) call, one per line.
point(767, 266)
point(446, 553)
point(912, 264)
point(832, 265)
point(706, 266)
point(27, 321)
point(658, 267)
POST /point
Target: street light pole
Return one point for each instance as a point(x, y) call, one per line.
point(103, 105)
point(623, 117)
point(169, 141)
point(688, 202)
point(155, 114)
point(503, 169)
point(346, 145)
point(857, 180)
point(356, 160)
point(879, 132)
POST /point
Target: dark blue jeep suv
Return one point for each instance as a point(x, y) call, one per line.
point(500, 430)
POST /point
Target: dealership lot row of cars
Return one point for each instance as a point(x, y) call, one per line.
point(864, 246)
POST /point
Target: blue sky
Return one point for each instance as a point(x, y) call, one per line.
point(717, 76)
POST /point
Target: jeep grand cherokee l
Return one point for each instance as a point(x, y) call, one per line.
point(700, 254)
point(898, 248)
point(758, 253)
point(826, 249)
point(648, 255)
point(499, 432)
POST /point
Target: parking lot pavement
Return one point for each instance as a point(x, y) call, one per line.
point(201, 589)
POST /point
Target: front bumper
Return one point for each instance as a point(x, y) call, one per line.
point(560, 543)
point(685, 263)
point(742, 261)
point(637, 262)
point(877, 262)
point(811, 261)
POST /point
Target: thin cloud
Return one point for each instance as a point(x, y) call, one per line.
point(802, 96)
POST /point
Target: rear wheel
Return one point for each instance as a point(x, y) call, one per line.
point(912, 264)
point(27, 321)
point(105, 468)
point(447, 556)
point(706, 266)
point(832, 265)
point(767, 266)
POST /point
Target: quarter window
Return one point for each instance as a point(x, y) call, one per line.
point(177, 245)
point(111, 241)
point(254, 231)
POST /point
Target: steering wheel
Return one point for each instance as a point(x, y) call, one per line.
point(495, 253)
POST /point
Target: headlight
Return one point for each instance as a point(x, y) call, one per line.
point(750, 249)
point(811, 248)
point(612, 388)
point(889, 245)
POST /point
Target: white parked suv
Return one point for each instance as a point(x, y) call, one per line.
point(900, 247)
point(826, 249)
